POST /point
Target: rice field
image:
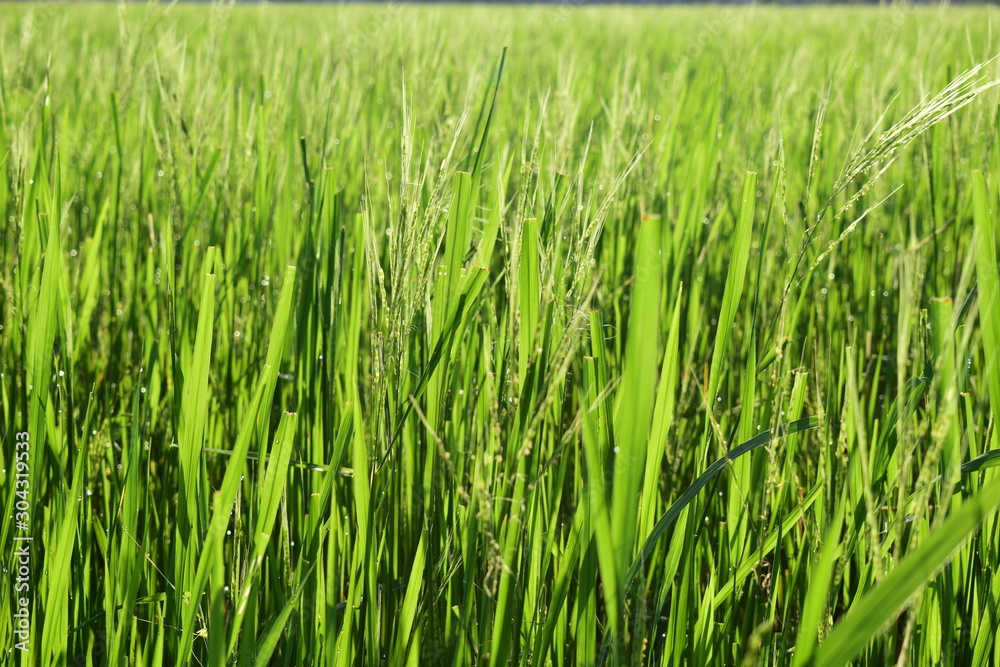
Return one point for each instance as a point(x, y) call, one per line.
point(540, 335)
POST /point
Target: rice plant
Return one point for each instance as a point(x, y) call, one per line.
point(398, 334)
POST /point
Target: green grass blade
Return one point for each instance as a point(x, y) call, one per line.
point(674, 511)
point(989, 290)
point(636, 395)
point(867, 619)
point(735, 280)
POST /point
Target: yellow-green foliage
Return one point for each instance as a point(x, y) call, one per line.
point(392, 334)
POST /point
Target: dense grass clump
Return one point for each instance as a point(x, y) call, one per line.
point(433, 335)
